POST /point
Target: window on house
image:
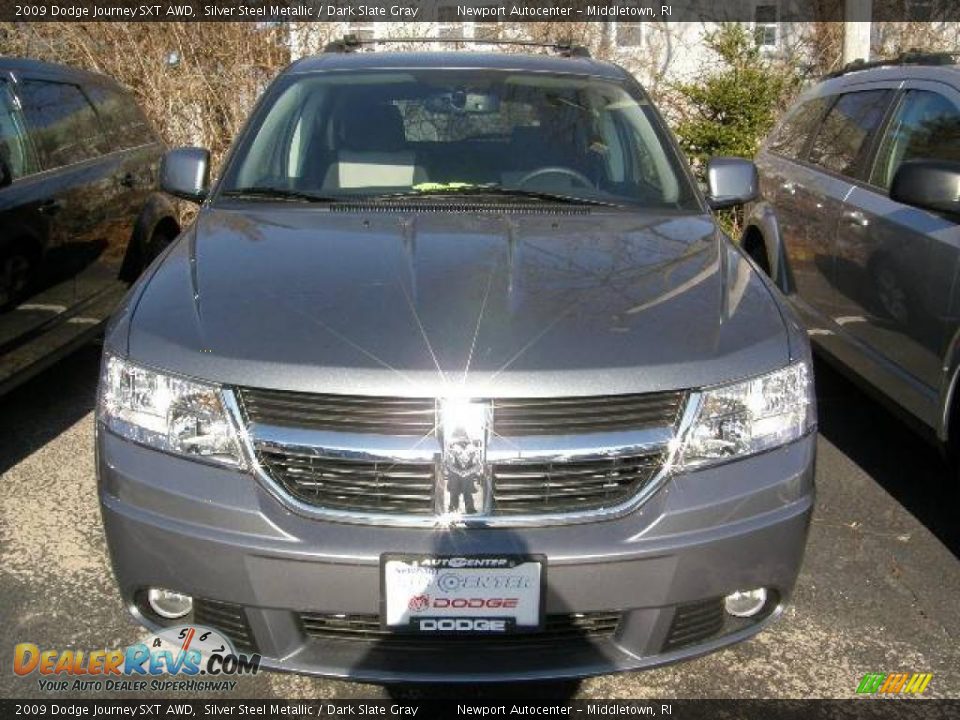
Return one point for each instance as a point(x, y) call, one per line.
point(629, 34)
point(363, 30)
point(920, 10)
point(487, 29)
point(448, 26)
point(766, 29)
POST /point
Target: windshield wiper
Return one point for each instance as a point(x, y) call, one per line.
point(499, 190)
point(268, 191)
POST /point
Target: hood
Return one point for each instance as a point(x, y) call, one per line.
point(487, 305)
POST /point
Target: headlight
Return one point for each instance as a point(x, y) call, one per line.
point(166, 412)
point(751, 416)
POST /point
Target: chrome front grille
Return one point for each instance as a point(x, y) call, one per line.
point(410, 487)
point(512, 417)
point(352, 485)
point(340, 413)
point(576, 415)
point(573, 486)
point(388, 460)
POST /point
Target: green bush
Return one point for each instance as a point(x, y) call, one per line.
point(729, 109)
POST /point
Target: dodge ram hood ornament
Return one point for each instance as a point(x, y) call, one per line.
point(463, 480)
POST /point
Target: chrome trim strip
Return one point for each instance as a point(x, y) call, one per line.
point(347, 446)
point(567, 448)
point(531, 449)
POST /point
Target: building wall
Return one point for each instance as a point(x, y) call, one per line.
point(655, 52)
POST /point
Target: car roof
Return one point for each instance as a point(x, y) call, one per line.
point(457, 60)
point(949, 74)
point(64, 72)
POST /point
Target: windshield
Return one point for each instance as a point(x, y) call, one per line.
point(427, 132)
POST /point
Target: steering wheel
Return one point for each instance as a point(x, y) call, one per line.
point(555, 170)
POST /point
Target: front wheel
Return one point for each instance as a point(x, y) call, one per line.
point(158, 243)
point(16, 272)
point(757, 251)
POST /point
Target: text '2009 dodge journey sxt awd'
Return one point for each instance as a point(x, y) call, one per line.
point(455, 377)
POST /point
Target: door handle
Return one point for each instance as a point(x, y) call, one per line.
point(127, 180)
point(51, 207)
point(855, 217)
point(789, 188)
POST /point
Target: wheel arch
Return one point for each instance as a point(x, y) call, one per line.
point(761, 226)
point(158, 214)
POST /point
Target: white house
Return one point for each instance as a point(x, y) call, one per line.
point(658, 51)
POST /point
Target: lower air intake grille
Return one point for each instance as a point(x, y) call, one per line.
point(558, 629)
point(229, 619)
point(694, 623)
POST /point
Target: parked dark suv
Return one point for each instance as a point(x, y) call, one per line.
point(455, 377)
point(859, 224)
point(80, 215)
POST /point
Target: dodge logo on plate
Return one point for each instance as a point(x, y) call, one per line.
point(419, 603)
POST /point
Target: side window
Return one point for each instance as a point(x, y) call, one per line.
point(124, 125)
point(13, 141)
point(61, 121)
point(925, 125)
point(792, 135)
point(843, 138)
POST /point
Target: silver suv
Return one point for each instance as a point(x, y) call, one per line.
point(858, 225)
point(455, 377)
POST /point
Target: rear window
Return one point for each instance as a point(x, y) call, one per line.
point(61, 122)
point(843, 139)
point(925, 125)
point(14, 149)
point(791, 137)
point(124, 125)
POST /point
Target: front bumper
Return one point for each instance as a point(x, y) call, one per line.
point(218, 534)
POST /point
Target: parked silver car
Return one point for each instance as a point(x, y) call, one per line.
point(455, 377)
point(858, 225)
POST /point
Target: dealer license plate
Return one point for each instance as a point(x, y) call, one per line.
point(489, 594)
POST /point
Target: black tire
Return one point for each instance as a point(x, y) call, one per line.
point(17, 269)
point(757, 251)
point(158, 243)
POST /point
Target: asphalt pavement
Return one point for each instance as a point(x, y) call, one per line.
point(878, 592)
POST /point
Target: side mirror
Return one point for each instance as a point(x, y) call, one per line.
point(6, 173)
point(928, 184)
point(185, 173)
point(731, 182)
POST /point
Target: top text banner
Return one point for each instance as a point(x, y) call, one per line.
point(449, 13)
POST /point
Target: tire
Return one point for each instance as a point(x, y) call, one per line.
point(158, 243)
point(757, 251)
point(17, 268)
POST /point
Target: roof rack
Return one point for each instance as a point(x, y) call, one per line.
point(911, 57)
point(352, 43)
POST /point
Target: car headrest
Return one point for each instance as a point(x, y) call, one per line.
point(375, 127)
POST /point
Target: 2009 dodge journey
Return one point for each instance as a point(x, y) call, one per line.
point(455, 377)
